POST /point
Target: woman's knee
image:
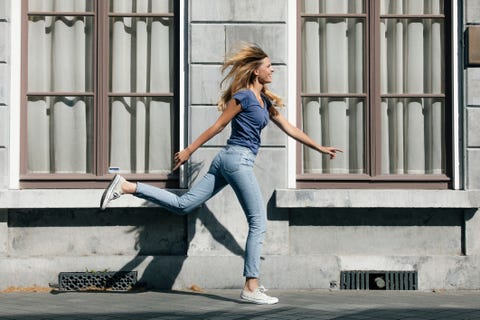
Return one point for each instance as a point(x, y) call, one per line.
point(183, 210)
point(258, 227)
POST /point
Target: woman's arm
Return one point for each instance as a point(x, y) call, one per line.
point(301, 136)
point(232, 109)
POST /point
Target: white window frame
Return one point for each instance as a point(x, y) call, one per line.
point(15, 94)
point(458, 164)
point(292, 91)
point(182, 102)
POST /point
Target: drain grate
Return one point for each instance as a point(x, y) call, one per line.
point(116, 281)
point(379, 280)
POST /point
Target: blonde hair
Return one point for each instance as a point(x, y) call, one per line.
point(243, 63)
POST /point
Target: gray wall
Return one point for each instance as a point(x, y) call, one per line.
point(215, 28)
point(4, 89)
point(472, 107)
point(4, 114)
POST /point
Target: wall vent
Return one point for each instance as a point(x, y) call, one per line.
point(379, 280)
point(115, 281)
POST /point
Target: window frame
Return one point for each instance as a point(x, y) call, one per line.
point(101, 94)
point(372, 178)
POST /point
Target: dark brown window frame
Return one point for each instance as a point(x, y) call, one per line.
point(372, 179)
point(101, 95)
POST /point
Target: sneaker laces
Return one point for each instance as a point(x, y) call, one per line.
point(116, 195)
point(262, 289)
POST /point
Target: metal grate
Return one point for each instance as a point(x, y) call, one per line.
point(379, 280)
point(115, 281)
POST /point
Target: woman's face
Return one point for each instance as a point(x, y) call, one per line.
point(265, 71)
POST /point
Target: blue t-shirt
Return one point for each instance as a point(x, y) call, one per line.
point(247, 125)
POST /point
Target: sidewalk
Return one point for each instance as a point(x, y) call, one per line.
point(224, 304)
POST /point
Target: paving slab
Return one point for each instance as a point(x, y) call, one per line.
point(225, 304)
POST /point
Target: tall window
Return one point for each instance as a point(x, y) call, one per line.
point(373, 84)
point(99, 90)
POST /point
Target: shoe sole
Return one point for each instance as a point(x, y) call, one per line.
point(108, 192)
point(248, 299)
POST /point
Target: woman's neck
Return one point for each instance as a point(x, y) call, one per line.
point(256, 86)
point(257, 91)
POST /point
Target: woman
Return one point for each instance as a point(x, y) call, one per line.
point(248, 105)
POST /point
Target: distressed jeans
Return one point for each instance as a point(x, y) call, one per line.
point(233, 165)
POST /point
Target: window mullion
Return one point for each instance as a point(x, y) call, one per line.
point(374, 127)
point(101, 70)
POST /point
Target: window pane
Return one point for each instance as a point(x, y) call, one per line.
point(141, 134)
point(60, 54)
point(141, 51)
point(413, 140)
point(412, 56)
point(60, 5)
point(333, 6)
point(59, 134)
point(335, 122)
point(141, 6)
point(412, 7)
point(333, 55)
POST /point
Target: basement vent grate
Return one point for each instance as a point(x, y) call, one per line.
point(379, 280)
point(115, 281)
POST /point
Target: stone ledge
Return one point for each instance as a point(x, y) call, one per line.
point(285, 198)
point(66, 198)
point(362, 198)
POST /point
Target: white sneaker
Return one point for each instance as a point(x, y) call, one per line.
point(258, 296)
point(114, 191)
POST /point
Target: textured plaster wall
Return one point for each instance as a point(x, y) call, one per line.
point(4, 90)
point(472, 108)
point(215, 28)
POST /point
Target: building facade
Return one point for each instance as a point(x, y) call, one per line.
point(89, 88)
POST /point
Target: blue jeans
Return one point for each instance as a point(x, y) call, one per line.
point(233, 165)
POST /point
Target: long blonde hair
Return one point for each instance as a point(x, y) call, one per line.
point(243, 63)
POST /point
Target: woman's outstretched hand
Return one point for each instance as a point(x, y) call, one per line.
point(181, 157)
point(331, 151)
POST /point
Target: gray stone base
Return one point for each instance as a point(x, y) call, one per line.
point(282, 272)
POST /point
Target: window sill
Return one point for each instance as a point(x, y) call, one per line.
point(285, 198)
point(362, 198)
point(66, 198)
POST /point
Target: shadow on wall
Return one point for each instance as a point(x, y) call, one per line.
point(383, 217)
point(165, 265)
point(160, 238)
point(168, 255)
point(163, 268)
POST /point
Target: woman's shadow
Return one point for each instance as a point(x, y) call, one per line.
point(162, 247)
